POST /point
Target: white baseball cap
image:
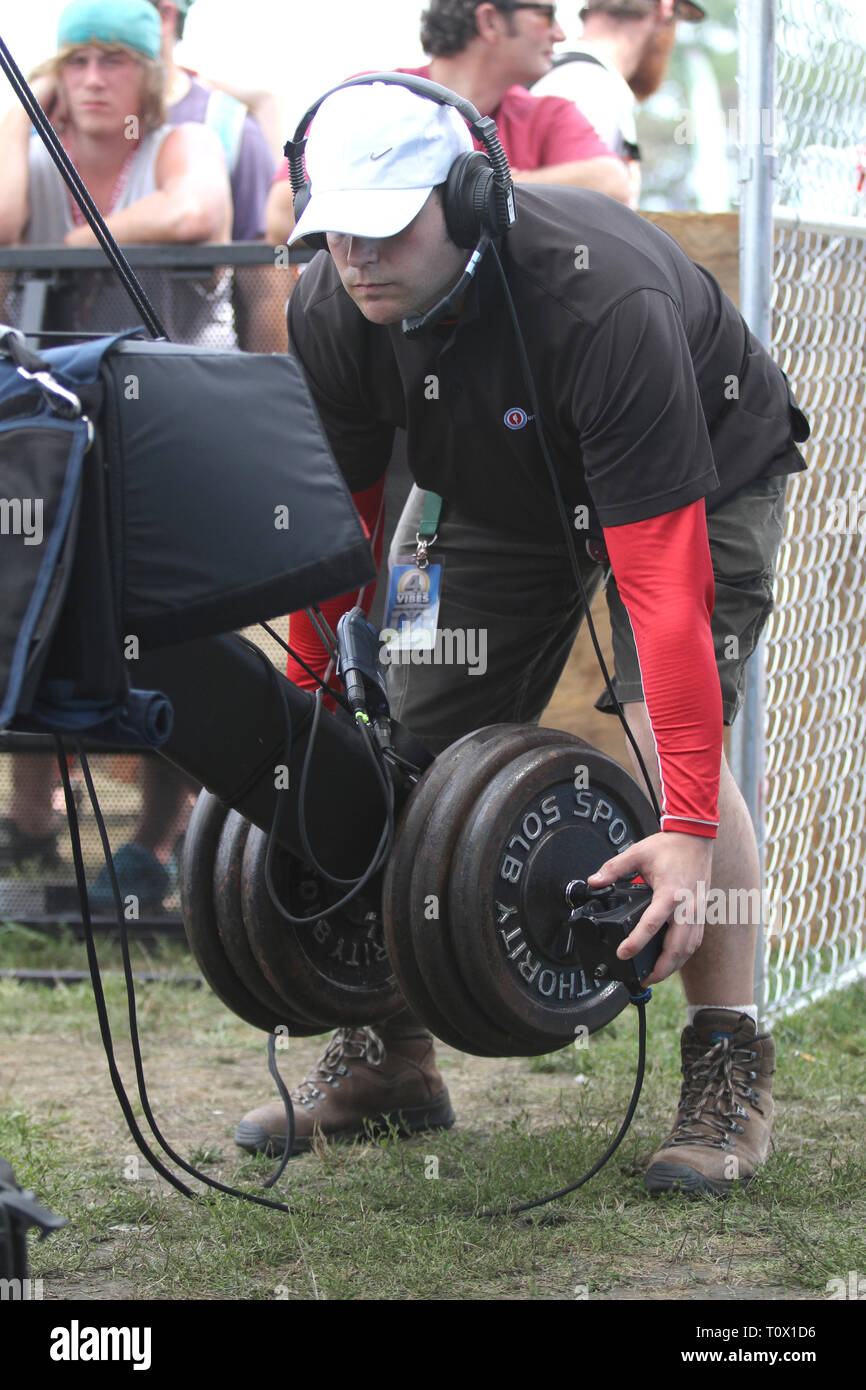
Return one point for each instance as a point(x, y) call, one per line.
point(373, 156)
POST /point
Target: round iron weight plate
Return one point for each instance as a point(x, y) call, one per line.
point(232, 929)
point(336, 969)
point(551, 815)
point(199, 915)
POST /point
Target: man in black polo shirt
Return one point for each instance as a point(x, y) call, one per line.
point(672, 432)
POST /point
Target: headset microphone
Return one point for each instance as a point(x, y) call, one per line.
point(478, 199)
point(441, 310)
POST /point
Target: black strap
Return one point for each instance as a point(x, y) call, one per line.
point(561, 58)
point(14, 346)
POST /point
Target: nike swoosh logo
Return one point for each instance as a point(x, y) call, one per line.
point(382, 153)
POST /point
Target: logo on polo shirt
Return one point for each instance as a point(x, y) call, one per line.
point(515, 418)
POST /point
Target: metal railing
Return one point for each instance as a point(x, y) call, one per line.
point(230, 296)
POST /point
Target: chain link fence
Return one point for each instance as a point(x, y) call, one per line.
point(814, 717)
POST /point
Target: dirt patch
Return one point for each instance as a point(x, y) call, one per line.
point(205, 1069)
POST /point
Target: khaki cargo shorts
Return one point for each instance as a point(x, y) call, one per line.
point(745, 535)
point(509, 615)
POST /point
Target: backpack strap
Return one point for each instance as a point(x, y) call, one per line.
point(561, 58)
point(13, 345)
point(29, 365)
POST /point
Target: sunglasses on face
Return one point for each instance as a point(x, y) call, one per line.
point(547, 12)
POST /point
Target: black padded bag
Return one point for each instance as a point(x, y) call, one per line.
point(205, 498)
point(209, 455)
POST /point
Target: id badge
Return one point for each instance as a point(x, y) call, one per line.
point(412, 606)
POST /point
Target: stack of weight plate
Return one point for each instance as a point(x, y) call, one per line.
point(474, 899)
point(277, 976)
point(472, 931)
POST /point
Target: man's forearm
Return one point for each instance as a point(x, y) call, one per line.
point(161, 216)
point(665, 578)
point(606, 174)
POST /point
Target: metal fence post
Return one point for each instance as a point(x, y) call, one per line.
point(756, 21)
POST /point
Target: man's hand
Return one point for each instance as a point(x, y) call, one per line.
point(46, 91)
point(81, 236)
point(672, 864)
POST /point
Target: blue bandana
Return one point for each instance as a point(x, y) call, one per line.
point(133, 23)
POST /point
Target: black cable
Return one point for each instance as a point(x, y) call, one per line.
point(134, 289)
point(324, 629)
point(288, 1108)
point(71, 177)
point(640, 1004)
point(336, 695)
point(117, 1083)
point(381, 853)
point(133, 1016)
point(383, 848)
point(412, 770)
point(388, 829)
point(98, 993)
point(563, 517)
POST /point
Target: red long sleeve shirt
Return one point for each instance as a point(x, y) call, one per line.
point(664, 574)
point(303, 637)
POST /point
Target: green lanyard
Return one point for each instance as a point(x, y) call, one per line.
point(427, 532)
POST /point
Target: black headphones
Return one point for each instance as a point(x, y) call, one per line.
point(479, 195)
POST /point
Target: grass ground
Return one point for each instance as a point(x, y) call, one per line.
point(393, 1219)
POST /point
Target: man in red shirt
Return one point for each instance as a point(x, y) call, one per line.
point(489, 53)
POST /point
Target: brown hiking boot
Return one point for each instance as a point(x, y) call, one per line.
point(357, 1086)
point(725, 1116)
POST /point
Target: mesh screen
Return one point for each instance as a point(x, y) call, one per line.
point(224, 307)
point(815, 714)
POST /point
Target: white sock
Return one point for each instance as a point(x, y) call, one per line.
point(751, 1009)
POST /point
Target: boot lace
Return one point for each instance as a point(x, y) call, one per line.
point(714, 1085)
point(358, 1044)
